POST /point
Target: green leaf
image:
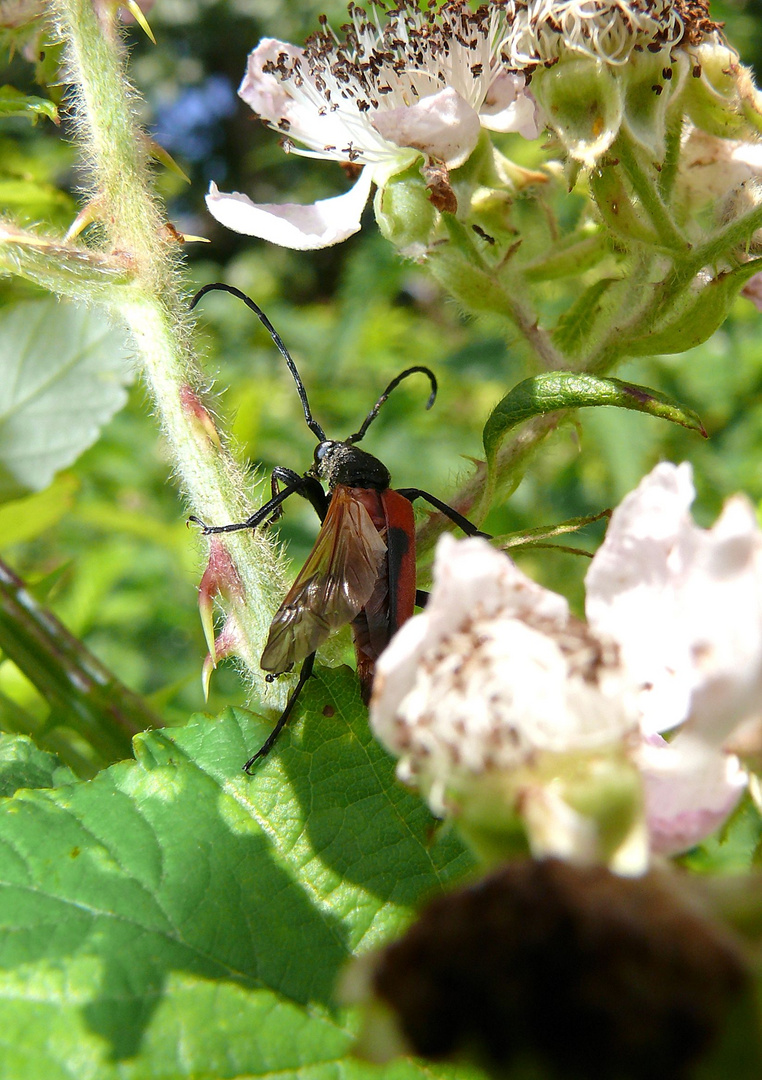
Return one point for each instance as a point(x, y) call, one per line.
point(23, 765)
point(65, 369)
point(572, 390)
point(575, 325)
point(24, 519)
point(176, 918)
point(695, 319)
point(14, 103)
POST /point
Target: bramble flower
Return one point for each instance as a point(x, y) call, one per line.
point(496, 698)
point(498, 702)
point(417, 86)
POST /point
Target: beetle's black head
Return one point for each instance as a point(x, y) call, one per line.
point(341, 463)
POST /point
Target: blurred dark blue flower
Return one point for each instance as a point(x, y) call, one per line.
point(189, 126)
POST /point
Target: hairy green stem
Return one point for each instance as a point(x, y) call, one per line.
point(156, 313)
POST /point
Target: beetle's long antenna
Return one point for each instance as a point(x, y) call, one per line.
point(220, 286)
point(395, 382)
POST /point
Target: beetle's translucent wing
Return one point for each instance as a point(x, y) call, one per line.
point(334, 584)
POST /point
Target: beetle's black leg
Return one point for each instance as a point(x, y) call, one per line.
point(306, 486)
point(463, 523)
point(256, 518)
point(288, 477)
point(269, 742)
point(421, 597)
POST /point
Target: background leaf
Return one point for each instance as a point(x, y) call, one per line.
point(64, 372)
point(23, 765)
point(14, 103)
point(174, 917)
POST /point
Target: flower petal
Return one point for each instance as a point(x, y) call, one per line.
point(752, 290)
point(509, 106)
point(630, 594)
point(294, 107)
point(690, 789)
point(303, 228)
point(443, 126)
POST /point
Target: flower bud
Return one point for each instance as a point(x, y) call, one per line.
point(405, 214)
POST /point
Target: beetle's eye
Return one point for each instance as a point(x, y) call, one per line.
point(321, 450)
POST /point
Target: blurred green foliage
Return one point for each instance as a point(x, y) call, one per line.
point(110, 553)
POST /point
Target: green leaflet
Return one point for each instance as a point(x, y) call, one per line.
point(701, 312)
point(14, 103)
point(65, 370)
point(571, 390)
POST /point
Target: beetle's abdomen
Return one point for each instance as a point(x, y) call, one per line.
point(393, 599)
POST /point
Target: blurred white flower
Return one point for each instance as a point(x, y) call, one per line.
point(725, 173)
point(496, 700)
point(418, 84)
point(684, 605)
point(712, 168)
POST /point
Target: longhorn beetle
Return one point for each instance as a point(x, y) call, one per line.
point(361, 570)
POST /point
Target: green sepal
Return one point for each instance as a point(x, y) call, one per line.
point(404, 212)
point(584, 103)
point(617, 208)
point(572, 332)
point(572, 390)
point(712, 99)
point(649, 93)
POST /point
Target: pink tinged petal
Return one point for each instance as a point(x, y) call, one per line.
point(631, 596)
point(265, 92)
point(296, 114)
point(301, 113)
point(752, 290)
point(509, 106)
point(442, 126)
point(724, 610)
point(303, 228)
point(690, 790)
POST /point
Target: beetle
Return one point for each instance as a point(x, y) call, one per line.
point(361, 570)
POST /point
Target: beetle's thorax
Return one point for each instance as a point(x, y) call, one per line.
point(340, 463)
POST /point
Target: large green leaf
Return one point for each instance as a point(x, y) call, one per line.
point(174, 917)
point(63, 373)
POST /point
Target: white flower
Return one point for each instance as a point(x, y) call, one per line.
point(422, 84)
point(601, 67)
point(684, 605)
point(496, 696)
